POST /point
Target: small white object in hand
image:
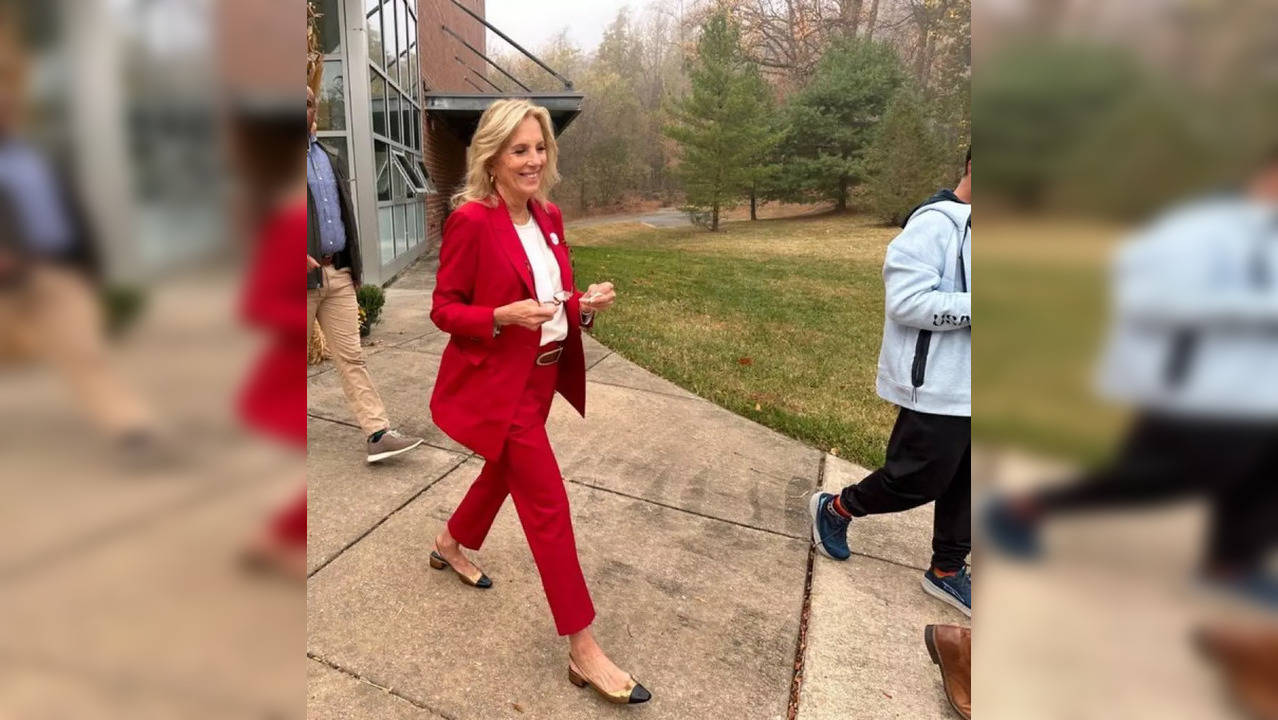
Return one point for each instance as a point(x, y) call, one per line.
point(554, 239)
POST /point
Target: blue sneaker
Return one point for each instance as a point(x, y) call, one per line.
point(954, 589)
point(1011, 534)
point(829, 529)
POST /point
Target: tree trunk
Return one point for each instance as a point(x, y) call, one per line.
point(842, 204)
point(753, 198)
point(714, 218)
point(850, 16)
point(871, 20)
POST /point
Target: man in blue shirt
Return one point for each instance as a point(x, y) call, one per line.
point(333, 274)
point(48, 269)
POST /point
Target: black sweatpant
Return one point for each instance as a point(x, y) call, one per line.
point(929, 458)
point(1163, 459)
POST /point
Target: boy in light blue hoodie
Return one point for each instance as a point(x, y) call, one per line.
point(925, 368)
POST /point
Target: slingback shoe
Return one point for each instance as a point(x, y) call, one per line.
point(633, 694)
point(480, 580)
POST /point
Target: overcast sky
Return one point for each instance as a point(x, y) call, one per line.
point(531, 24)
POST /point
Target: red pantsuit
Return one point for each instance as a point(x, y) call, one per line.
point(491, 396)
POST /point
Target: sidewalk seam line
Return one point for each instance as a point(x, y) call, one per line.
point(655, 392)
point(349, 424)
point(805, 614)
point(801, 538)
point(121, 528)
point(685, 510)
point(388, 516)
point(606, 355)
point(316, 657)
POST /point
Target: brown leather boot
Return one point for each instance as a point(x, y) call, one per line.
point(951, 648)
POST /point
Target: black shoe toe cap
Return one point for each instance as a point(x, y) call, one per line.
point(639, 694)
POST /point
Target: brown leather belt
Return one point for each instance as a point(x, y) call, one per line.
point(550, 354)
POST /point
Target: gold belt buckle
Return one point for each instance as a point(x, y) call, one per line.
point(550, 357)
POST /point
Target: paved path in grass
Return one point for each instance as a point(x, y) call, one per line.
point(661, 217)
point(692, 529)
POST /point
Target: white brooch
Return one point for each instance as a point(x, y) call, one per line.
point(554, 239)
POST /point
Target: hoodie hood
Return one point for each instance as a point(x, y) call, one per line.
point(945, 201)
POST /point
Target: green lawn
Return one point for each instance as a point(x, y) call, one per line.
point(1041, 310)
point(776, 320)
point(780, 321)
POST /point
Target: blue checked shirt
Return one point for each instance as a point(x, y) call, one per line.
point(30, 183)
point(322, 183)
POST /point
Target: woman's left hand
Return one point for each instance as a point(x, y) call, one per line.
point(597, 297)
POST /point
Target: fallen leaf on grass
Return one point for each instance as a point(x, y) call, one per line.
point(745, 361)
point(834, 451)
point(757, 407)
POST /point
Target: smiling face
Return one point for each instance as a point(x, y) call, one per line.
point(518, 167)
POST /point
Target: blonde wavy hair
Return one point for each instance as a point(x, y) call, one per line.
point(496, 126)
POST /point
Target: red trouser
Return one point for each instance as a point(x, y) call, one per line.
point(289, 524)
point(528, 472)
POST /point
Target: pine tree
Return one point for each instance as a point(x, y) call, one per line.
point(907, 161)
point(721, 126)
point(830, 123)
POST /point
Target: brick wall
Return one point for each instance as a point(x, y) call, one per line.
point(445, 155)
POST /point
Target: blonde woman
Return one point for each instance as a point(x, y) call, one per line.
point(505, 295)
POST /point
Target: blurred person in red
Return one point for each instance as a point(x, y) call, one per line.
point(333, 274)
point(50, 270)
point(1193, 347)
point(273, 401)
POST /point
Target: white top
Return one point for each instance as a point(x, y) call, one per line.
point(546, 278)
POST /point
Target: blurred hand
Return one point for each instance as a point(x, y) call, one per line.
point(311, 263)
point(598, 296)
point(528, 314)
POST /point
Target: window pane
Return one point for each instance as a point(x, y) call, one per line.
point(392, 115)
point(406, 113)
point(377, 89)
point(406, 32)
point(374, 25)
point(401, 231)
point(330, 26)
point(381, 159)
point(397, 184)
point(412, 225)
point(386, 234)
point(331, 113)
point(391, 41)
point(421, 222)
point(415, 90)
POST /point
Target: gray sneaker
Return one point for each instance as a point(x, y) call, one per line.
point(390, 444)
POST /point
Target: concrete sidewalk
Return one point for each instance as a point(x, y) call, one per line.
point(693, 533)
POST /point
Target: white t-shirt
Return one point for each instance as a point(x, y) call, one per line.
point(546, 278)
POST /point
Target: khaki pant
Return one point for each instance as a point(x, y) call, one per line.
point(337, 310)
point(55, 316)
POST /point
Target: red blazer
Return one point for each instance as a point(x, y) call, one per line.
point(274, 398)
point(482, 266)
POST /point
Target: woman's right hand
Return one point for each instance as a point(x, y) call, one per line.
point(528, 314)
